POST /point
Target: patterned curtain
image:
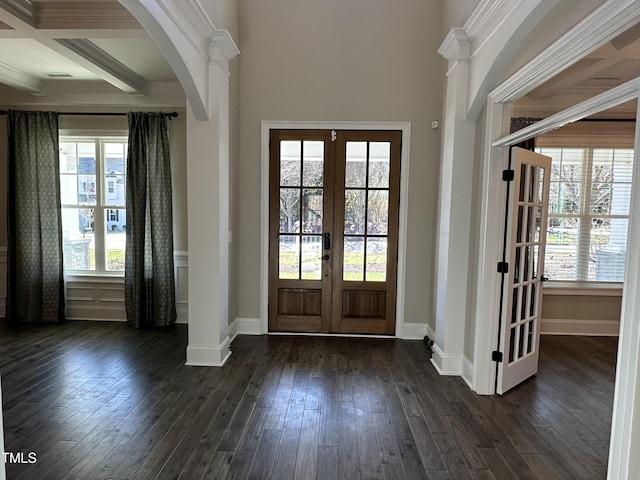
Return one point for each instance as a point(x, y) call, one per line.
point(149, 278)
point(35, 277)
point(518, 123)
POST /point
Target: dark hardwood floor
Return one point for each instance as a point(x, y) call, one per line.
point(103, 401)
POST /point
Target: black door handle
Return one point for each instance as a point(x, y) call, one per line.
point(324, 257)
point(327, 241)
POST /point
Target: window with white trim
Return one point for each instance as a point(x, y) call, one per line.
point(589, 202)
point(92, 187)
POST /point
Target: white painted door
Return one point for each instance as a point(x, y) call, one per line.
point(522, 295)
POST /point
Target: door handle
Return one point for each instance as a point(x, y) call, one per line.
point(324, 257)
point(327, 241)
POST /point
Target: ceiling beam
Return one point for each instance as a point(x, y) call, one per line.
point(24, 10)
point(99, 62)
point(19, 80)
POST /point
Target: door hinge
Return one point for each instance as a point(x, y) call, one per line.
point(333, 135)
point(496, 356)
point(503, 267)
point(508, 175)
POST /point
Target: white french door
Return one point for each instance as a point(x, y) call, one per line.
point(519, 332)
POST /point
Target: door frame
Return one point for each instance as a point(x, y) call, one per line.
point(266, 126)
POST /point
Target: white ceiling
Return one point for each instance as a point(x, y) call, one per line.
point(50, 49)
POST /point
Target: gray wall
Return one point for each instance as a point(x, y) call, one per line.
point(337, 60)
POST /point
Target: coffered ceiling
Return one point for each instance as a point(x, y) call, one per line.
point(52, 49)
point(609, 66)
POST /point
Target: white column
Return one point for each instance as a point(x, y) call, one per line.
point(454, 227)
point(208, 210)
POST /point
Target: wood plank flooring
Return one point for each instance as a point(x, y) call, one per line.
point(104, 401)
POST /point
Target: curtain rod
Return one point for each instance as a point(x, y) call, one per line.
point(111, 114)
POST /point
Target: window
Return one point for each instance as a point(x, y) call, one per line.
point(92, 184)
point(589, 200)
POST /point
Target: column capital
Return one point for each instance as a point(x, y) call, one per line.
point(456, 46)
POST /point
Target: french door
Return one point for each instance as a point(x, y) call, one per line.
point(333, 230)
point(522, 295)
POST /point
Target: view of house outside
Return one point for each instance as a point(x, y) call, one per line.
point(92, 182)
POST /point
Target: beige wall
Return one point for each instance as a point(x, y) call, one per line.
point(337, 60)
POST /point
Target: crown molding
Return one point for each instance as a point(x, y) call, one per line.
point(17, 79)
point(597, 28)
point(104, 65)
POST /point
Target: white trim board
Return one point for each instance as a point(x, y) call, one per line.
point(405, 128)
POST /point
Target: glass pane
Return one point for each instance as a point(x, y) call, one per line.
point(571, 164)
point(311, 253)
point(289, 257)
point(531, 221)
point(569, 201)
point(356, 166)
point(379, 162)
point(312, 210)
point(353, 268)
point(289, 210)
point(622, 165)
point(555, 205)
point(290, 152)
point(68, 158)
point(376, 268)
point(114, 189)
point(354, 211)
point(536, 258)
point(608, 246)
point(521, 224)
point(378, 212)
point(313, 164)
point(538, 224)
point(115, 236)
point(78, 238)
point(540, 194)
point(69, 189)
point(87, 189)
point(562, 246)
point(600, 202)
point(620, 198)
point(87, 158)
point(523, 183)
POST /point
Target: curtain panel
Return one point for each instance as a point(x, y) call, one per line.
point(149, 274)
point(35, 277)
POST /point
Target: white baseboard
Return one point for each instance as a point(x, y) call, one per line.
point(559, 326)
point(209, 355)
point(414, 331)
point(446, 364)
point(245, 326)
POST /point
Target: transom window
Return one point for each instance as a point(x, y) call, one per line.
point(589, 199)
point(92, 185)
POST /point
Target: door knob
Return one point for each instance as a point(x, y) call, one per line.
point(324, 257)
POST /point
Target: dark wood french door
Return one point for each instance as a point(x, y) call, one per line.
point(333, 230)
